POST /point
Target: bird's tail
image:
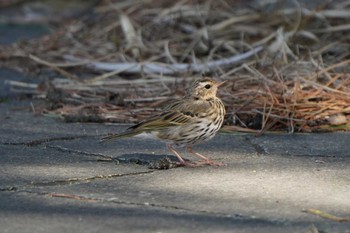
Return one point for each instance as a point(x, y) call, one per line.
point(118, 136)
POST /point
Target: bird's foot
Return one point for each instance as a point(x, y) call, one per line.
point(212, 163)
point(188, 164)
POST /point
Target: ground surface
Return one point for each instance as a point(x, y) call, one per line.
point(56, 177)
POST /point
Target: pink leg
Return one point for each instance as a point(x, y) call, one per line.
point(206, 160)
point(182, 161)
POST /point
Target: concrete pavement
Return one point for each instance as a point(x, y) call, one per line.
point(56, 177)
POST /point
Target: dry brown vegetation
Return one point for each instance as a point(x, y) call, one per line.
point(287, 66)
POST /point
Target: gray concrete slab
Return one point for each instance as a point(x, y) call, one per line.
point(20, 125)
point(27, 213)
point(75, 184)
point(275, 189)
point(23, 166)
point(320, 144)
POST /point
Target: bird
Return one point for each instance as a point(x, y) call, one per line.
point(194, 119)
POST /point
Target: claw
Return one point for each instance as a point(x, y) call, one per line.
point(201, 164)
point(212, 163)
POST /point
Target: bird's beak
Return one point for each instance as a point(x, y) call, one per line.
point(219, 84)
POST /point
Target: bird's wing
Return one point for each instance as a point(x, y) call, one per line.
point(178, 113)
point(164, 120)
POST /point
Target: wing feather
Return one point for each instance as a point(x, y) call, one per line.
point(176, 114)
point(164, 120)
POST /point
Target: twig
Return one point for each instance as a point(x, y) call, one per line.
point(325, 70)
point(326, 215)
point(150, 68)
point(53, 66)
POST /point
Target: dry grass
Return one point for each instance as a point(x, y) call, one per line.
point(287, 66)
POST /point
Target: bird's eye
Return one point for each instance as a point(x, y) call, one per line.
point(207, 86)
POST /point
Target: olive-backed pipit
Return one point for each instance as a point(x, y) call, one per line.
point(194, 119)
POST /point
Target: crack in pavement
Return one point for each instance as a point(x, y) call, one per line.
point(65, 149)
point(68, 181)
point(46, 140)
point(162, 164)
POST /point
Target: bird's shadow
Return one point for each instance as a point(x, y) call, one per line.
point(151, 160)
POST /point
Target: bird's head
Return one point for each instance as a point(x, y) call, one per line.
point(205, 88)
